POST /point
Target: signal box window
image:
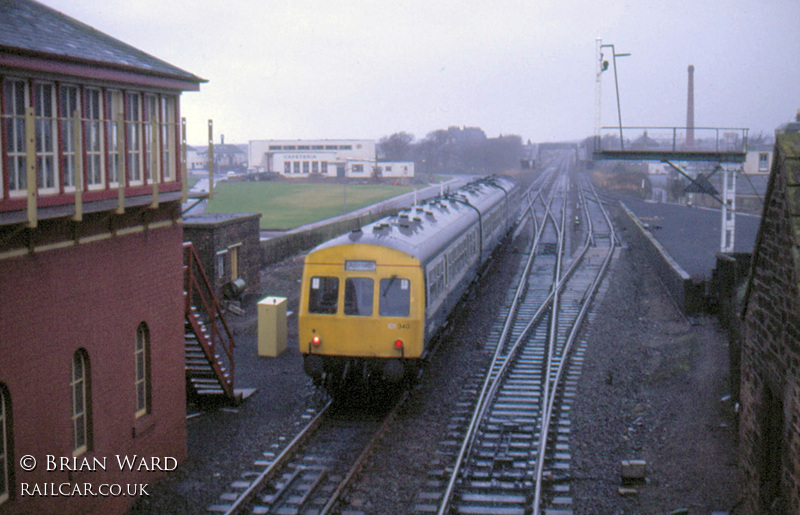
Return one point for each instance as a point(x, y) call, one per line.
point(395, 299)
point(324, 295)
point(358, 296)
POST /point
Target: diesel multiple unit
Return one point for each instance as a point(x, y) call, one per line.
point(373, 299)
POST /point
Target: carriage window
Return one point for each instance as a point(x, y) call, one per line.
point(358, 296)
point(324, 295)
point(395, 297)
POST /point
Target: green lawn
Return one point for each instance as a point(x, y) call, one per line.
point(285, 205)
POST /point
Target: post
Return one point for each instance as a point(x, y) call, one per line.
point(619, 109)
point(614, 56)
point(598, 95)
point(30, 168)
point(155, 161)
point(690, 110)
point(78, 149)
point(210, 159)
point(123, 171)
point(727, 236)
point(184, 173)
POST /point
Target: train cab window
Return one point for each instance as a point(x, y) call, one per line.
point(324, 295)
point(358, 293)
point(395, 299)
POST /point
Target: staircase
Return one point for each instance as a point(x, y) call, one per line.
point(208, 339)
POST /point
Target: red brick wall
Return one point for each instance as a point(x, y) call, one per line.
point(93, 296)
point(771, 357)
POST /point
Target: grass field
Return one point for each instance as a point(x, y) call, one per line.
point(285, 205)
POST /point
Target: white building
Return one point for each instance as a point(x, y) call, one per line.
point(396, 169)
point(194, 161)
point(349, 158)
point(758, 158)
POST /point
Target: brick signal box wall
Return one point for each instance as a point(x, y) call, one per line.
point(93, 296)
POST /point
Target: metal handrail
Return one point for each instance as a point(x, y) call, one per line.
point(194, 284)
point(672, 141)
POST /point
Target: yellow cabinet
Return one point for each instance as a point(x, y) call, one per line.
point(271, 326)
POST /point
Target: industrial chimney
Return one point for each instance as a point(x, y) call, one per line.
point(690, 110)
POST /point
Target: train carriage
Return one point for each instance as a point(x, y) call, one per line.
point(373, 299)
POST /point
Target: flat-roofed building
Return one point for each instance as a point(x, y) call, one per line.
point(301, 158)
point(345, 158)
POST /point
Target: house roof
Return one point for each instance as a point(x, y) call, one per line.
point(30, 29)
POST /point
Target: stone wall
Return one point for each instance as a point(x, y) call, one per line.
point(215, 235)
point(770, 388)
point(280, 247)
point(689, 295)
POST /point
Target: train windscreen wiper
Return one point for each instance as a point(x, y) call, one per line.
point(388, 286)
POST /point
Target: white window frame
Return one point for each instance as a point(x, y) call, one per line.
point(150, 110)
point(221, 263)
point(94, 139)
point(15, 128)
point(168, 134)
point(765, 156)
point(46, 126)
point(134, 136)
point(115, 107)
point(79, 386)
point(69, 161)
point(142, 370)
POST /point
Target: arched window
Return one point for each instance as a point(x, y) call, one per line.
point(6, 460)
point(142, 360)
point(81, 403)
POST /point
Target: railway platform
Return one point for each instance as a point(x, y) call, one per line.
point(691, 235)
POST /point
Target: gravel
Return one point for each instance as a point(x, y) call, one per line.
point(650, 389)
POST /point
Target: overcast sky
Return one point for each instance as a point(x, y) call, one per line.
point(310, 69)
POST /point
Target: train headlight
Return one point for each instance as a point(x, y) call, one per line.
point(398, 344)
point(315, 341)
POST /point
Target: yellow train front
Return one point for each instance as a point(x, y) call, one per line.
point(373, 299)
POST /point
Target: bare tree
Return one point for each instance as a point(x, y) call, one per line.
point(396, 147)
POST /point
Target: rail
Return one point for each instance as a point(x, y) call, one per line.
point(279, 462)
point(547, 413)
point(555, 359)
point(690, 143)
point(331, 484)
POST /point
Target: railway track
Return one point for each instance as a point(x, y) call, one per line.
point(315, 469)
point(507, 450)
point(490, 461)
